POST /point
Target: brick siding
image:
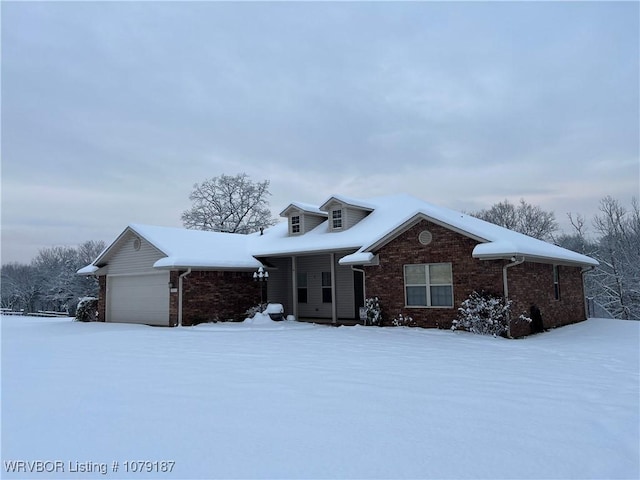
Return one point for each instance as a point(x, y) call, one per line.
point(532, 284)
point(214, 296)
point(529, 283)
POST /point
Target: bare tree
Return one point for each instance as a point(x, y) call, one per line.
point(57, 268)
point(21, 287)
point(50, 281)
point(233, 204)
point(618, 276)
point(524, 218)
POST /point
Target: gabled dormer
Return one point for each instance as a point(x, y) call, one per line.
point(344, 212)
point(303, 217)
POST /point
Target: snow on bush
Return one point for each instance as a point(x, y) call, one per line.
point(485, 314)
point(374, 311)
point(250, 313)
point(87, 310)
point(403, 321)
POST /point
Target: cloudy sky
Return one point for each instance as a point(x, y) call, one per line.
point(112, 111)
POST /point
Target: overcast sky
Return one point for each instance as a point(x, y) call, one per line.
point(112, 111)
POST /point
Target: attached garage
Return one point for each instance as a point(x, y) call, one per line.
point(140, 298)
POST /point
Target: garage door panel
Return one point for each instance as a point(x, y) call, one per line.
point(138, 299)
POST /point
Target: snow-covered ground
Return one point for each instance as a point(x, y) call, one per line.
point(292, 400)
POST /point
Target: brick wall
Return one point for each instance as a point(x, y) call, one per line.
point(532, 284)
point(386, 281)
point(529, 283)
point(215, 296)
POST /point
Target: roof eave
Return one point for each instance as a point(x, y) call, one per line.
point(535, 258)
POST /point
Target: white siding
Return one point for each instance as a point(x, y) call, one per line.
point(279, 287)
point(307, 221)
point(312, 221)
point(126, 259)
point(344, 291)
point(353, 216)
point(350, 215)
point(313, 266)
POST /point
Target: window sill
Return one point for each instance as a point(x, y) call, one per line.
point(429, 307)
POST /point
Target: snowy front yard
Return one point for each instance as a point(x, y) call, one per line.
point(292, 400)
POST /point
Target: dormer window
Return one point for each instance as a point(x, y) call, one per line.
point(295, 224)
point(336, 219)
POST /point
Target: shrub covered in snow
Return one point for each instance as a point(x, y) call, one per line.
point(255, 309)
point(403, 321)
point(486, 314)
point(374, 311)
point(87, 310)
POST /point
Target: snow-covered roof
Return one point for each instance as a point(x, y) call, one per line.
point(188, 248)
point(197, 248)
point(304, 207)
point(388, 217)
point(354, 202)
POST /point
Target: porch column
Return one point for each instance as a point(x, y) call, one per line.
point(334, 306)
point(294, 284)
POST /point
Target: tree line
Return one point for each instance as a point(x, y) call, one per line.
point(612, 237)
point(50, 281)
point(237, 204)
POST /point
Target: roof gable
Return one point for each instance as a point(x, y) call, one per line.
point(348, 201)
point(390, 215)
point(183, 248)
point(303, 208)
point(387, 217)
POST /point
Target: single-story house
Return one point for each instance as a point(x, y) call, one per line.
point(420, 260)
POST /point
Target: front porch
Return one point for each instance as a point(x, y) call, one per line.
point(346, 322)
point(316, 288)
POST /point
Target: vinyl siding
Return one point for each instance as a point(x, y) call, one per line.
point(313, 266)
point(312, 221)
point(307, 221)
point(353, 215)
point(126, 259)
point(279, 286)
point(350, 215)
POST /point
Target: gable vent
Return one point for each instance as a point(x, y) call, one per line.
point(425, 237)
point(136, 243)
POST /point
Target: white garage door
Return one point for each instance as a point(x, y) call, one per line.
point(138, 299)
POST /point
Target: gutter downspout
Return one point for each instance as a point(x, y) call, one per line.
point(505, 283)
point(364, 285)
point(180, 295)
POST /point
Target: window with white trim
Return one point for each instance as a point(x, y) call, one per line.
point(336, 219)
point(295, 224)
point(428, 285)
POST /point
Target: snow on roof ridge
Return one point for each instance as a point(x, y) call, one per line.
point(390, 212)
point(305, 207)
point(198, 248)
point(356, 202)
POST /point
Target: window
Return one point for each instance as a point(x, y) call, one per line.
point(336, 219)
point(302, 287)
point(556, 281)
point(428, 285)
point(326, 287)
point(295, 224)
